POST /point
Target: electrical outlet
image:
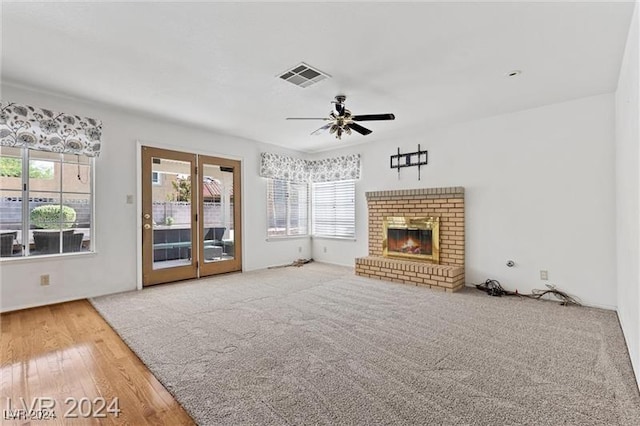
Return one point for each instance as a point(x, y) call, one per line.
point(129, 199)
point(544, 275)
point(299, 249)
point(324, 250)
point(44, 279)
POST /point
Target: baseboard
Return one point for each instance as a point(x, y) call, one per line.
point(56, 301)
point(349, 265)
point(635, 366)
point(38, 305)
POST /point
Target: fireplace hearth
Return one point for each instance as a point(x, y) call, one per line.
point(411, 238)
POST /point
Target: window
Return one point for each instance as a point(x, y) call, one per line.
point(46, 200)
point(155, 178)
point(287, 208)
point(334, 213)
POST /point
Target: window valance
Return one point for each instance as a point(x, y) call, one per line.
point(344, 167)
point(282, 167)
point(275, 166)
point(45, 130)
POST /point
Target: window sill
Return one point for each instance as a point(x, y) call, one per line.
point(37, 258)
point(326, 237)
point(287, 237)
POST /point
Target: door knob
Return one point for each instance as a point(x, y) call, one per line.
point(147, 216)
point(147, 226)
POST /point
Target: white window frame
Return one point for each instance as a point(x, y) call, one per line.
point(333, 210)
point(289, 233)
point(25, 197)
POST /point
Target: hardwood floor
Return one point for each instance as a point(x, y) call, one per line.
point(68, 352)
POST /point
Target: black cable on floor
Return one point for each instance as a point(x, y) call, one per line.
point(493, 288)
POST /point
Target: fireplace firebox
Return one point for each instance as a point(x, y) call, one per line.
point(412, 237)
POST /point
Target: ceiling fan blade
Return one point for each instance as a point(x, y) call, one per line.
point(373, 117)
point(358, 128)
point(322, 129)
point(308, 118)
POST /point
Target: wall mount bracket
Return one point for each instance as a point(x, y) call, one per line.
point(410, 159)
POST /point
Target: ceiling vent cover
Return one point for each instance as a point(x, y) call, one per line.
point(303, 75)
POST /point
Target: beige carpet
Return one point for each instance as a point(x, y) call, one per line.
point(318, 345)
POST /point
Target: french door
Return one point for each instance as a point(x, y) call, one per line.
point(220, 230)
point(191, 216)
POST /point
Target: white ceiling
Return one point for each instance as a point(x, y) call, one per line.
point(216, 64)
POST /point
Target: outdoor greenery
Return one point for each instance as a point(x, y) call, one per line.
point(12, 167)
point(52, 216)
point(183, 189)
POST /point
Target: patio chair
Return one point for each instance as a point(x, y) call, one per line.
point(49, 242)
point(6, 244)
point(213, 246)
point(215, 234)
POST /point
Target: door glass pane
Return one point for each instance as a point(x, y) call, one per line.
point(171, 205)
point(217, 224)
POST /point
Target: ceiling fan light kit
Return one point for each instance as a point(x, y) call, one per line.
point(343, 122)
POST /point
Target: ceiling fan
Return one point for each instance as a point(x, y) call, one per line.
point(341, 121)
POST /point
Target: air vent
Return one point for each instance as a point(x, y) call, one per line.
point(303, 75)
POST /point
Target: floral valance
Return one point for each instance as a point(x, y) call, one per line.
point(282, 167)
point(45, 130)
point(344, 167)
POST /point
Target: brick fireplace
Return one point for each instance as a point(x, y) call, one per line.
point(437, 263)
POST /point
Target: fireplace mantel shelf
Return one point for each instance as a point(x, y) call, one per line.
point(431, 192)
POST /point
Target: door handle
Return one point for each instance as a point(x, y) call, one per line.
point(147, 216)
point(147, 226)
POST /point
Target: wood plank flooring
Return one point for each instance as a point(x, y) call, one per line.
point(68, 351)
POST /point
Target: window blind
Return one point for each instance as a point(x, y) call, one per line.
point(287, 208)
point(298, 208)
point(334, 209)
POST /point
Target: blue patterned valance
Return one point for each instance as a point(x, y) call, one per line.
point(44, 130)
point(275, 166)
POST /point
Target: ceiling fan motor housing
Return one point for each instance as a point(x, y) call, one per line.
point(339, 105)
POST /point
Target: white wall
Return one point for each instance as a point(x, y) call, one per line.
point(539, 190)
point(113, 268)
point(627, 195)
